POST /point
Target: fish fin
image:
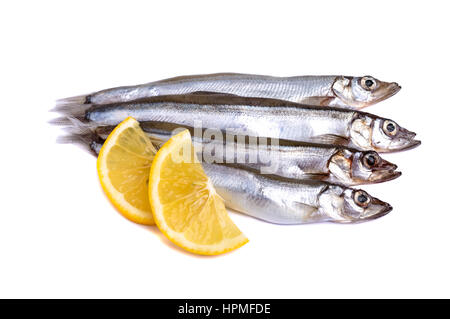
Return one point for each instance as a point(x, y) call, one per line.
point(73, 111)
point(317, 100)
point(330, 139)
point(78, 132)
point(157, 142)
point(74, 106)
point(74, 124)
point(89, 141)
point(310, 213)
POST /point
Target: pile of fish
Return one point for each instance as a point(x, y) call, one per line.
point(298, 143)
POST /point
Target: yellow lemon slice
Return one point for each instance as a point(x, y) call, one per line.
point(123, 167)
point(185, 205)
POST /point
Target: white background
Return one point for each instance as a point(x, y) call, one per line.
point(60, 237)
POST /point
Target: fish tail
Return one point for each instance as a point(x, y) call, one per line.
point(74, 106)
point(89, 142)
point(73, 123)
point(78, 132)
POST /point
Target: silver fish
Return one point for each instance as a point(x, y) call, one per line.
point(258, 117)
point(340, 91)
point(286, 201)
point(294, 160)
point(292, 202)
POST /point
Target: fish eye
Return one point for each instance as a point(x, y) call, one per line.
point(371, 159)
point(361, 198)
point(390, 128)
point(368, 83)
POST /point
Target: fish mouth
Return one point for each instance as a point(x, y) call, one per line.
point(385, 166)
point(393, 88)
point(384, 171)
point(412, 144)
point(390, 90)
point(408, 137)
point(384, 211)
point(380, 209)
point(402, 141)
point(384, 176)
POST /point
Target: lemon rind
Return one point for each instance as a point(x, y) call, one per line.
point(226, 245)
point(118, 199)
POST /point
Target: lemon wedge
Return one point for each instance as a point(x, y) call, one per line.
point(185, 205)
point(123, 167)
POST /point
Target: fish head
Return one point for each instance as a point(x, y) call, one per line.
point(369, 132)
point(359, 92)
point(360, 206)
point(351, 205)
point(353, 167)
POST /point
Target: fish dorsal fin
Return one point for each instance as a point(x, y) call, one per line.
point(331, 139)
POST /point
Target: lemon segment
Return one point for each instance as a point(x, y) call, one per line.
point(123, 167)
point(185, 205)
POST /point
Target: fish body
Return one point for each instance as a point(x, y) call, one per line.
point(283, 201)
point(294, 160)
point(286, 201)
point(339, 91)
point(262, 117)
